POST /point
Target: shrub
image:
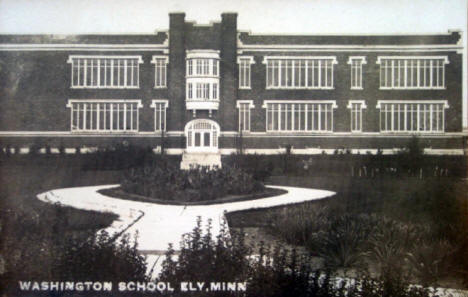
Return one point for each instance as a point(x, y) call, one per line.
point(56, 243)
point(296, 224)
point(220, 259)
point(100, 257)
point(432, 260)
point(277, 272)
point(341, 242)
point(390, 241)
point(258, 166)
point(167, 182)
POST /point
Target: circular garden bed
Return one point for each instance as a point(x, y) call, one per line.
point(165, 183)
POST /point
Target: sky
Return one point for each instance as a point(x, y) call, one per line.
point(257, 16)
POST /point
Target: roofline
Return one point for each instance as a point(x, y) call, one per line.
point(52, 35)
point(309, 34)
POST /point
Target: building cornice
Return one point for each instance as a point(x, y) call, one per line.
point(348, 48)
point(84, 47)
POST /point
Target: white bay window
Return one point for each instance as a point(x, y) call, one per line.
point(202, 80)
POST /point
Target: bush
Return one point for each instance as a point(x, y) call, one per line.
point(432, 261)
point(119, 156)
point(167, 182)
point(259, 167)
point(100, 257)
point(57, 243)
point(273, 272)
point(341, 242)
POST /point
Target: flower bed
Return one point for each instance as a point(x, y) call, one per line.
point(165, 183)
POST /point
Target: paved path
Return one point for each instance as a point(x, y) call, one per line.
point(157, 224)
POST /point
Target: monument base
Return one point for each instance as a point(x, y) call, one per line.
point(197, 159)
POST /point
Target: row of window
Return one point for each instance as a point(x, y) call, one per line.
point(423, 72)
point(410, 72)
point(281, 116)
point(113, 115)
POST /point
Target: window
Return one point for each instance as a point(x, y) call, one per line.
point(244, 107)
point(160, 71)
point(104, 115)
point(244, 71)
point(412, 116)
point(356, 71)
point(202, 78)
point(418, 72)
point(160, 107)
point(203, 91)
point(356, 107)
point(202, 67)
point(300, 72)
point(105, 71)
point(314, 116)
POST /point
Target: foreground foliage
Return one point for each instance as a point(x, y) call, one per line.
point(272, 272)
point(46, 247)
point(420, 230)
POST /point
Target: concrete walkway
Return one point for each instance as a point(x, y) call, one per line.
point(157, 224)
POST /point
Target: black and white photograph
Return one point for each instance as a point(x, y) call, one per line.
point(302, 148)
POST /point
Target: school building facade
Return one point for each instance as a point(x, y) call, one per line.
point(206, 89)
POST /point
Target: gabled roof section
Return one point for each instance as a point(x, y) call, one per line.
point(120, 39)
point(450, 38)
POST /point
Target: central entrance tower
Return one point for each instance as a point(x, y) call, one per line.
point(203, 83)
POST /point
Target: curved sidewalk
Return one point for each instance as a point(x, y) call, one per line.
point(157, 224)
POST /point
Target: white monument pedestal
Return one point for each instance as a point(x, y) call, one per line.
point(196, 159)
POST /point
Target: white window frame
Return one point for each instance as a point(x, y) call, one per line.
point(295, 59)
point(98, 85)
point(160, 82)
point(307, 129)
point(362, 105)
point(202, 76)
point(402, 62)
point(111, 120)
point(239, 104)
point(419, 113)
point(162, 119)
point(356, 72)
point(245, 71)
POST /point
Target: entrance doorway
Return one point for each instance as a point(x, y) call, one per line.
point(202, 136)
